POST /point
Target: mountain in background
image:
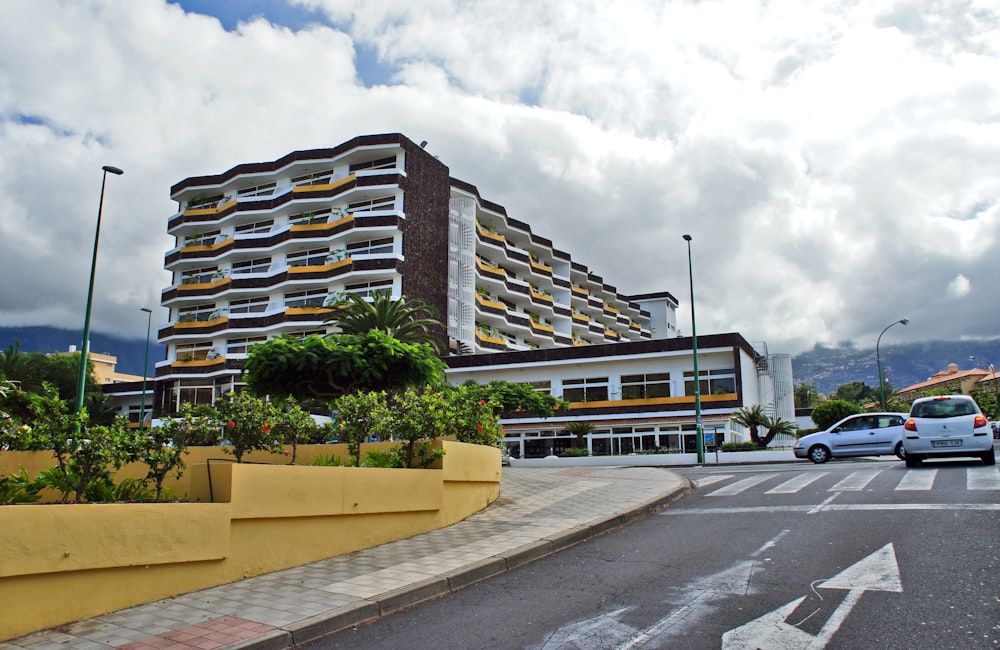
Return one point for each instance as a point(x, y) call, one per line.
point(824, 368)
point(902, 365)
point(51, 339)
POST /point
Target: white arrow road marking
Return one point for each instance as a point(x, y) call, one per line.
point(877, 572)
point(608, 631)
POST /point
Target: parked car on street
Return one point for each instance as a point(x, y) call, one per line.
point(947, 426)
point(861, 434)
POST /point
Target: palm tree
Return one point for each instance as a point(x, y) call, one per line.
point(775, 427)
point(751, 417)
point(579, 429)
point(409, 321)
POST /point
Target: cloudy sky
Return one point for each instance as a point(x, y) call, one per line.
point(836, 162)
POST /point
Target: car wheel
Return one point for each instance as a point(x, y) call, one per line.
point(819, 454)
point(899, 451)
point(912, 461)
point(989, 457)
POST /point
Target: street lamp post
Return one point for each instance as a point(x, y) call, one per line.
point(81, 383)
point(878, 360)
point(699, 431)
point(145, 368)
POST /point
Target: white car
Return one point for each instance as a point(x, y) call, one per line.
point(861, 434)
point(947, 426)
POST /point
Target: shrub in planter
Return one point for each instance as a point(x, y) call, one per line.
point(746, 445)
point(574, 452)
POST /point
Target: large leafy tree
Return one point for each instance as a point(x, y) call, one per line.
point(857, 392)
point(336, 365)
point(510, 397)
point(408, 320)
point(833, 410)
point(806, 396)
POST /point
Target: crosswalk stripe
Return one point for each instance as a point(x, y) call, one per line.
point(793, 485)
point(919, 479)
point(983, 478)
point(740, 486)
point(855, 481)
point(709, 480)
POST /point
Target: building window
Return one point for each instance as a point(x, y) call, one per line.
point(316, 178)
point(256, 227)
point(370, 247)
point(311, 217)
point(240, 346)
point(646, 386)
point(381, 203)
point(249, 306)
point(311, 298)
point(544, 387)
point(200, 276)
point(711, 382)
point(267, 189)
point(381, 163)
point(259, 265)
point(590, 389)
point(315, 257)
point(366, 289)
point(193, 351)
point(198, 313)
point(202, 238)
point(302, 335)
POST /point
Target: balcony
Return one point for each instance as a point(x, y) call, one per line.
point(323, 224)
point(496, 238)
point(322, 187)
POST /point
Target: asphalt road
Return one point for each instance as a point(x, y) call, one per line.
point(850, 554)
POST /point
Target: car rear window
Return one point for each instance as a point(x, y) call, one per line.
point(943, 408)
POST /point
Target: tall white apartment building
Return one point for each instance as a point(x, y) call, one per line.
point(260, 249)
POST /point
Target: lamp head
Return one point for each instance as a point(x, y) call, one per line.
point(113, 170)
point(687, 237)
point(904, 321)
point(146, 309)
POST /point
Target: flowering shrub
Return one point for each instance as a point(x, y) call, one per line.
point(359, 416)
point(248, 425)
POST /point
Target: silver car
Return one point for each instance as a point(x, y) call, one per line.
point(861, 434)
point(947, 426)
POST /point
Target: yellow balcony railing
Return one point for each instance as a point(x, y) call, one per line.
point(489, 234)
point(206, 211)
point(298, 189)
point(321, 226)
point(486, 302)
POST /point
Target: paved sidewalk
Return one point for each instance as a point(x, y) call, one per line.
point(540, 511)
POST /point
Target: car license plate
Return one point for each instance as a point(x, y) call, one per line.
point(946, 443)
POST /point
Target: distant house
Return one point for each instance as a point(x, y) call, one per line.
point(104, 367)
point(951, 380)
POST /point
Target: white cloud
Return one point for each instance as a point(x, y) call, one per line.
point(959, 287)
point(832, 160)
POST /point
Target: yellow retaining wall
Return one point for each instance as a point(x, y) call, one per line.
point(62, 563)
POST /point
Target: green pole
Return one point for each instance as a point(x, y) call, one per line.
point(699, 431)
point(81, 383)
point(145, 367)
point(878, 360)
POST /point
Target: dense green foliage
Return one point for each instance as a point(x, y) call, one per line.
point(406, 320)
point(510, 398)
point(831, 411)
point(415, 419)
point(247, 424)
point(857, 392)
point(337, 365)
